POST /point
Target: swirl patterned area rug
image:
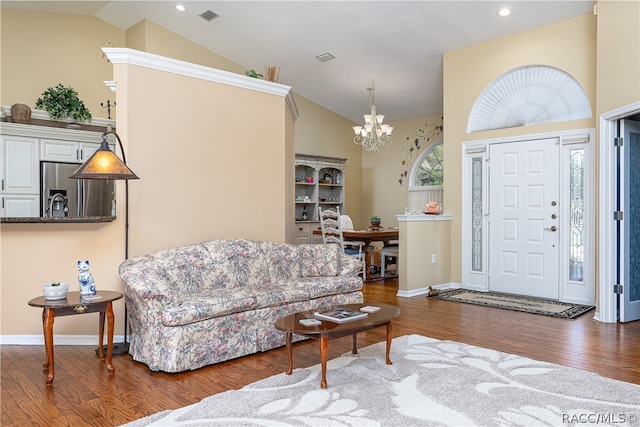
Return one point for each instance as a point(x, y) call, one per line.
point(516, 302)
point(431, 383)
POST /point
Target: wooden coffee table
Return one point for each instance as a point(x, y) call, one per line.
point(327, 330)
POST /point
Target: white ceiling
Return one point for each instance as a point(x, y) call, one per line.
point(396, 44)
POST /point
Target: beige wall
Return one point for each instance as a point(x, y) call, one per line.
point(568, 45)
point(149, 37)
point(419, 241)
point(40, 50)
point(202, 178)
point(382, 193)
point(233, 194)
point(618, 68)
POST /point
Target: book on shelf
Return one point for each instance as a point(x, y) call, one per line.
point(340, 315)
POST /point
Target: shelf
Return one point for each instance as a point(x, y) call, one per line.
point(326, 191)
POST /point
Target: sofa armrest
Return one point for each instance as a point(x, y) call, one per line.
point(142, 277)
point(349, 266)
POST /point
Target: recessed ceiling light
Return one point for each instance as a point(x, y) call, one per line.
point(504, 12)
point(181, 8)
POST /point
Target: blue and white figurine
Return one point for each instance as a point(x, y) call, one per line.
point(85, 279)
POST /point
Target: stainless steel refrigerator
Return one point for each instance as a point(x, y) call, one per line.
point(61, 196)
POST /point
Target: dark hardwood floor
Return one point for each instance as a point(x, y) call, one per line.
point(84, 393)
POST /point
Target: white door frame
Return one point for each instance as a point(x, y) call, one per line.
point(577, 292)
point(607, 205)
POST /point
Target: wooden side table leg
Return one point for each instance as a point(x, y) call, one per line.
point(289, 352)
point(389, 338)
point(324, 353)
point(109, 311)
point(45, 365)
point(101, 336)
point(49, 314)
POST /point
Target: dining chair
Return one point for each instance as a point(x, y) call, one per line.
point(331, 225)
point(388, 252)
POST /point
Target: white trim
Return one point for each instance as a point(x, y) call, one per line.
point(423, 217)
point(43, 115)
point(425, 291)
point(57, 339)
point(170, 65)
point(48, 132)
point(607, 248)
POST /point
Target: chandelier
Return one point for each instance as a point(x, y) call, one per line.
point(373, 134)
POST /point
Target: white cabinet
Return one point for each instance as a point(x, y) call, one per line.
point(19, 165)
point(19, 176)
point(319, 184)
point(57, 150)
point(20, 205)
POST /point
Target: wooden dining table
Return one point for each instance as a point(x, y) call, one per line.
point(367, 236)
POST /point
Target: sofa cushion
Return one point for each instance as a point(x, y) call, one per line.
point(319, 259)
point(276, 294)
point(323, 286)
point(207, 305)
point(188, 268)
point(284, 261)
point(238, 262)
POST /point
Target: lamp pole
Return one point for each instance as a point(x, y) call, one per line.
point(104, 164)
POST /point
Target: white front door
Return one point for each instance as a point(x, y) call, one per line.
point(523, 218)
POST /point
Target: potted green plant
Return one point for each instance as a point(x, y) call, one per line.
point(375, 221)
point(60, 101)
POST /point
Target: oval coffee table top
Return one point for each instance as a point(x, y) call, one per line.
point(291, 323)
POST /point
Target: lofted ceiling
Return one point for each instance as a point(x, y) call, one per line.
point(397, 45)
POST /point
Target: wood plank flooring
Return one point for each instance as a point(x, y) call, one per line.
point(83, 392)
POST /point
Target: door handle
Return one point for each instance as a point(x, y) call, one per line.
point(553, 228)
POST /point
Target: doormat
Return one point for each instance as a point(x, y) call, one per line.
point(516, 302)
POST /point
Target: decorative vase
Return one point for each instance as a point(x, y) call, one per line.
point(375, 222)
point(21, 113)
point(433, 208)
point(52, 292)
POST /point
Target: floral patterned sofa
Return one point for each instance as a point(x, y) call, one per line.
point(205, 303)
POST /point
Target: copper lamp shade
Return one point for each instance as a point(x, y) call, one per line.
point(104, 164)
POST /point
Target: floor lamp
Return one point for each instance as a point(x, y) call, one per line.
point(104, 164)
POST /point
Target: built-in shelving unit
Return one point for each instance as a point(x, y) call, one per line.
point(319, 185)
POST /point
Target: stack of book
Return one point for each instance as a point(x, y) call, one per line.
point(340, 315)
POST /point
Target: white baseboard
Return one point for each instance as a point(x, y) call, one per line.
point(57, 339)
point(424, 291)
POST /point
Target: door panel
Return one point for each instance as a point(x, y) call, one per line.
point(630, 231)
point(523, 217)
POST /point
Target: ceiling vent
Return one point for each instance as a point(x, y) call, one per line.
point(209, 15)
point(324, 57)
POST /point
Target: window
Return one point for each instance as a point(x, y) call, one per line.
point(430, 167)
point(427, 178)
